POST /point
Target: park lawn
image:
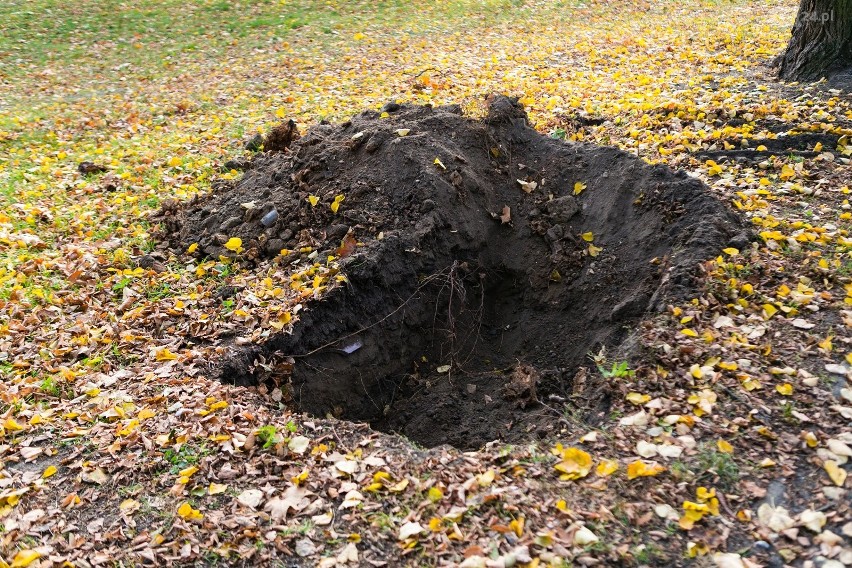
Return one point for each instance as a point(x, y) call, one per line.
point(115, 445)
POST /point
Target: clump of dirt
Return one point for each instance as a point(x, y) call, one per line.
point(486, 276)
point(281, 137)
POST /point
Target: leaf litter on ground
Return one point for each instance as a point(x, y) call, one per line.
point(115, 445)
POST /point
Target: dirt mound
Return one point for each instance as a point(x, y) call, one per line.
point(494, 259)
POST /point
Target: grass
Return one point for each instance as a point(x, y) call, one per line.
point(147, 39)
point(130, 490)
point(648, 553)
point(787, 409)
point(710, 460)
point(382, 521)
point(158, 291)
point(50, 386)
point(304, 528)
point(709, 465)
point(619, 370)
point(185, 456)
point(57, 33)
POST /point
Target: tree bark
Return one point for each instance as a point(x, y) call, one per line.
point(821, 41)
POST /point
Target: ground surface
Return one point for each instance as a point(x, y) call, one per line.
point(726, 439)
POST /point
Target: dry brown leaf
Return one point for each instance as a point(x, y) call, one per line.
point(506, 215)
point(250, 498)
point(294, 498)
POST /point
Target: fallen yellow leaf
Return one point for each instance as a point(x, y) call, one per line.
point(299, 479)
point(575, 464)
point(694, 549)
point(835, 472)
point(234, 244)
point(811, 440)
point(434, 494)
point(641, 469)
point(24, 558)
point(188, 471)
point(335, 205)
point(165, 354)
point(185, 511)
point(11, 425)
point(485, 479)
point(713, 169)
point(606, 468)
point(146, 413)
point(637, 398)
point(129, 506)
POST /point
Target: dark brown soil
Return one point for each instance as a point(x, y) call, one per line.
point(459, 326)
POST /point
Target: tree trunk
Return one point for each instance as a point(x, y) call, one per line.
point(821, 41)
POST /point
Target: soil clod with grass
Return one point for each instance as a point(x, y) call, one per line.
point(491, 260)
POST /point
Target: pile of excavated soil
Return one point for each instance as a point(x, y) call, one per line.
point(476, 297)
